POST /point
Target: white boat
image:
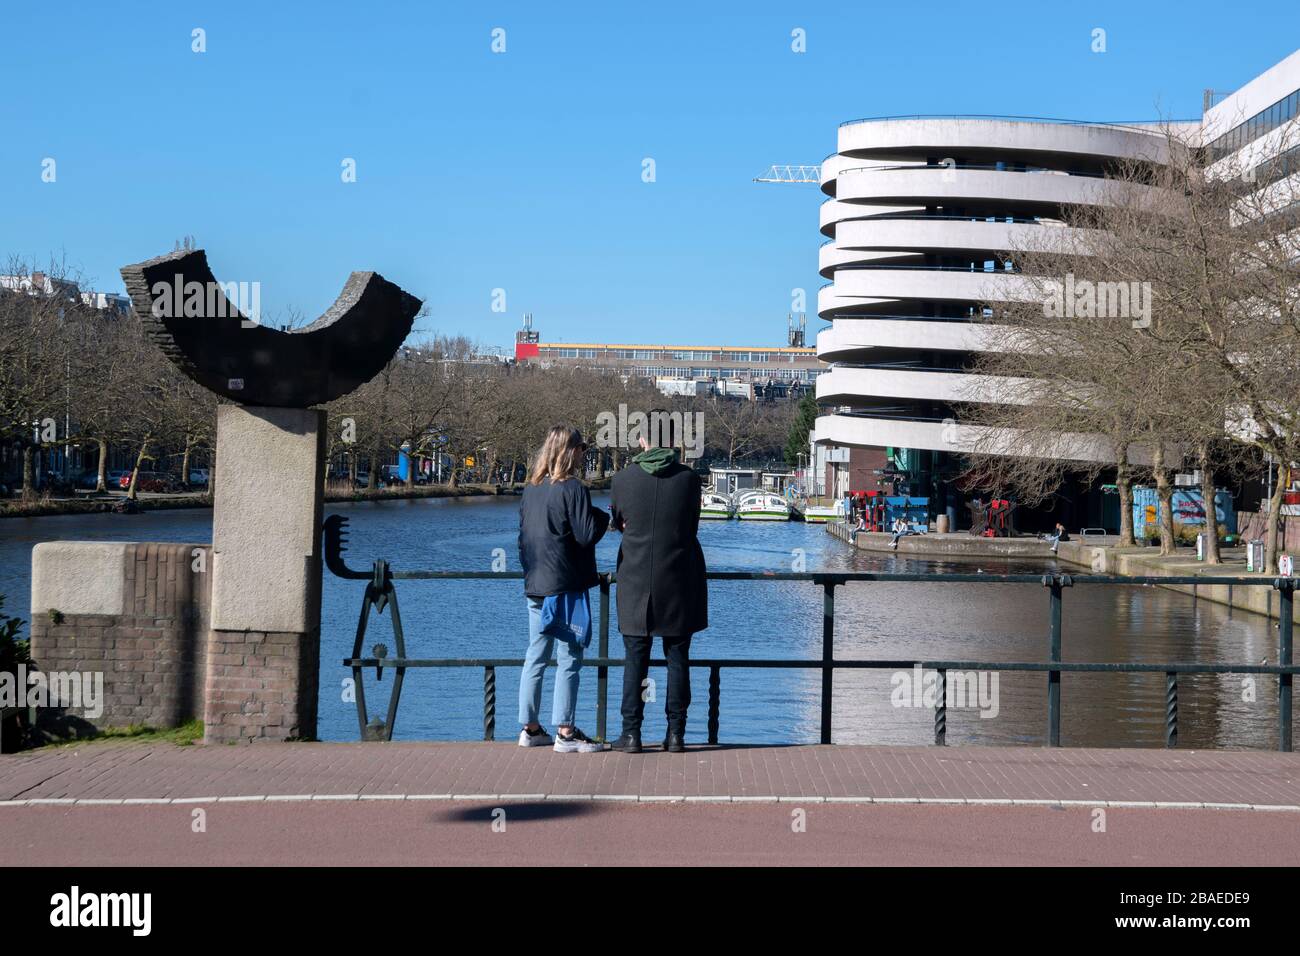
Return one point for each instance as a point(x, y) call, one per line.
point(715, 506)
point(761, 506)
point(820, 514)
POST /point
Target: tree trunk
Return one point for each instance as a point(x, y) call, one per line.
point(1273, 525)
point(1165, 496)
point(185, 464)
point(1124, 485)
point(1207, 498)
point(101, 482)
point(29, 472)
point(131, 492)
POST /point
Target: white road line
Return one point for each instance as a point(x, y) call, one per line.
point(652, 798)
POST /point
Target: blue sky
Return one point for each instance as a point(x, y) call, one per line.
point(522, 170)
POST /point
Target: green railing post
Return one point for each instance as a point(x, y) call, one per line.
point(715, 692)
point(1171, 709)
point(1285, 612)
point(489, 703)
point(941, 710)
point(828, 655)
point(1054, 582)
point(602, 672)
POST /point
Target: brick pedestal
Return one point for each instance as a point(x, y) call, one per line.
point(264, 650)
point(262, 686)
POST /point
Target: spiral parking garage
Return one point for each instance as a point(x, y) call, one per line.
point(920, 217)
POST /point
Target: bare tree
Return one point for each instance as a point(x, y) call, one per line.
point(1173, 340)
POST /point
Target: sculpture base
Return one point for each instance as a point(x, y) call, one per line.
point(264, 650)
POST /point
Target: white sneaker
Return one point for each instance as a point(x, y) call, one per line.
point(576, 743)
point(539, 739)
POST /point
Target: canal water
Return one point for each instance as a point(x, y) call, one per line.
point(770, 619)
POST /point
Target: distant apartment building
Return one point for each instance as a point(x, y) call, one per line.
point(752, 372)
point(43, 284)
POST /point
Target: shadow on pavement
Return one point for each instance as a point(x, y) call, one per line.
point(517, 811)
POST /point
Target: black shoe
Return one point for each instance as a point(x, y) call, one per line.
point(674, 743)
point(628, 743)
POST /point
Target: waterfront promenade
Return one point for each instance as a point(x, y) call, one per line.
point(421, 803)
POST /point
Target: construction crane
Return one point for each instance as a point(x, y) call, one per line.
point(790, 174)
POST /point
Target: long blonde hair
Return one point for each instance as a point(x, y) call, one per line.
point(561, 457)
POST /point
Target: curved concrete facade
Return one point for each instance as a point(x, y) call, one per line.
point(922, 218)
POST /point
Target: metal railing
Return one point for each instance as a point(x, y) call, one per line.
point(380, 594)
point(1024, 119)
point(984, 167)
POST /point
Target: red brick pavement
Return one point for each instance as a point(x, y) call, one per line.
point(124, 771)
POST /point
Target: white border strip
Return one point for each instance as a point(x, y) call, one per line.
point(649, 798)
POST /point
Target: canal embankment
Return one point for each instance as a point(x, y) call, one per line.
point(110, 502)
point(1098, 555)
point(1146, 561)
point(936, 545)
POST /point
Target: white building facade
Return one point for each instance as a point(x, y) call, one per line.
point(918, 215)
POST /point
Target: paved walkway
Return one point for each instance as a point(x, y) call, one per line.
point(123, 771)
point(421, 803)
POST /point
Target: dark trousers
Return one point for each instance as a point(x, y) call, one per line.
point(636, 654)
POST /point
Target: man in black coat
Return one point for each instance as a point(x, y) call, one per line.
point(655, 503)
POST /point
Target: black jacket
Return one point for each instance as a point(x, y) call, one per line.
point(558, 531)
point(661, 584)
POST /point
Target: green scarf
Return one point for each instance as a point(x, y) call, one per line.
point(655, 460)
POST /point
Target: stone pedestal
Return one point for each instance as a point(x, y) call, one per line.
point(263, 666)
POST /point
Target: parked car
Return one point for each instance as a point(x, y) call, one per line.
point(392, 475)
point(113, 478)
point(154, 482)
point(199, 476)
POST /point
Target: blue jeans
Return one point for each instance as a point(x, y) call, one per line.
point(568, 659)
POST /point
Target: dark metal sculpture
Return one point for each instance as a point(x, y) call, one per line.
point(188, 315)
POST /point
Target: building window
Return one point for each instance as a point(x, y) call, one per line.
point(1266, 120)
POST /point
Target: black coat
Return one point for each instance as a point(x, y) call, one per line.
point(661, 585)
point(558, 531)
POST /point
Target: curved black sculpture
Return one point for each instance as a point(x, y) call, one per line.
point(188, 316)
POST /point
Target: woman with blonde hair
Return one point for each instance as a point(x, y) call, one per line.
point(558, 531)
